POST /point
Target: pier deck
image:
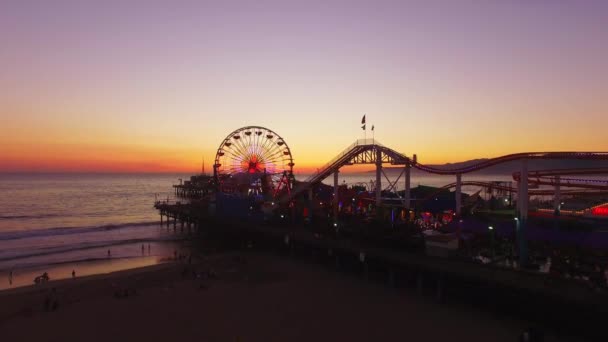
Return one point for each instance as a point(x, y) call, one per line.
point(557, 299)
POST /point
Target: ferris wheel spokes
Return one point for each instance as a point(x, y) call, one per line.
point(252, 156)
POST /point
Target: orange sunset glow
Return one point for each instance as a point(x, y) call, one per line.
point(303, 170)
point(113, 88)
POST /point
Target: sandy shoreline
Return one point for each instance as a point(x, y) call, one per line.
point(253, 297)
point(127, 256)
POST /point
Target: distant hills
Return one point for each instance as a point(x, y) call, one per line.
point(514, 166)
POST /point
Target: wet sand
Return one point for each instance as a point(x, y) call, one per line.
point(254, 297)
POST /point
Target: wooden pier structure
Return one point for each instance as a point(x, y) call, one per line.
point(187, 215)
point(564, 302)
point(197, 187)
point(236, 202)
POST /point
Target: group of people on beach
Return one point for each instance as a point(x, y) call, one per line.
point(143, 248)
point(42, 278)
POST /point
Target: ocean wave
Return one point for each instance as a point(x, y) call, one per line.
point(22, 266)
point(44, 251)
point(20, 217)
point(24, 234)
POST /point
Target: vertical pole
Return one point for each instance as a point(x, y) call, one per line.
point(419, 283)
point(510, 196)
point(458, 194)
point(378, 179)
point(310, 205)
point(407, 192)
point(439, 290)
point(518, 197)
point(391, 278)
point(557, 199)
point(523, 213)
point(366, 270)
point(336, 196)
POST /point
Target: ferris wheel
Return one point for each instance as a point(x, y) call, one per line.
point(255, 160)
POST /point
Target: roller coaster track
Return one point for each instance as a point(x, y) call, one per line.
point(348, 156)
point(362, 152)
point(539, 192)
point(549, 177)
point(511, 157)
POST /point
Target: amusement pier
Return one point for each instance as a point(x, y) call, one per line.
point(536, 246)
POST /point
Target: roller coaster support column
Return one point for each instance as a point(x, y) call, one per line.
point(378, 178)
point(406, 194)
point(557, 199)
point(458, 193)
point(310, 205)
point(335, 204)
point(522, 199)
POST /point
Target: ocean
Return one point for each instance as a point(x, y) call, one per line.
point(59, 223)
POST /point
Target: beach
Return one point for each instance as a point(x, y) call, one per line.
point(239, 296)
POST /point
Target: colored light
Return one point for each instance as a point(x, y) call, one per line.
point(600, 211)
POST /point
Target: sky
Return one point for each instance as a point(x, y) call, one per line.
point(155, 86)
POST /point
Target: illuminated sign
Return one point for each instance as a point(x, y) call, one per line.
point(600, 211)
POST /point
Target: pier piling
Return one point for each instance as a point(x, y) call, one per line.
point(391, 278)
point(439, 290)
point(419, 284)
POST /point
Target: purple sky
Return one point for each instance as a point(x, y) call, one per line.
point(435, 77)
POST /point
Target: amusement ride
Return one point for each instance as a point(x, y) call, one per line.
point(254, 160)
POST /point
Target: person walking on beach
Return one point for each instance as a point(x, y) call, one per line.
point(73, 274)
point(109, 254)
point(142, 249)
point(10, 277)
point(148, 249)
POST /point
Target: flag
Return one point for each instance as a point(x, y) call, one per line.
point(372, 127)
point(363, 127)
point(363, 119)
